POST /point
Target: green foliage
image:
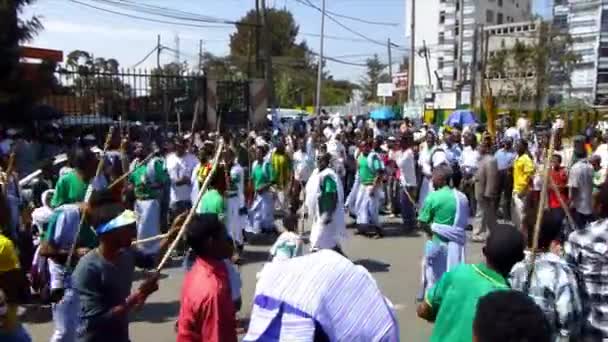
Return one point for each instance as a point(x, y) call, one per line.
point(375, 74)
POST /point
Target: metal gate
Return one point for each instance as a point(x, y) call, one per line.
point(233, 104)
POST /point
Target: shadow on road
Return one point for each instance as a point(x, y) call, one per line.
point(252, 257)
point(36, 314)
point(373, 266)
point(157, 312)
point(396, 229)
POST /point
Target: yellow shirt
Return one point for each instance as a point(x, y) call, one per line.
point(523, 170)
point(8, 262)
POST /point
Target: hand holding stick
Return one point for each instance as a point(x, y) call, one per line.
point(129, 172)
point(193, 209)
point(541, 209)
point(100, 163)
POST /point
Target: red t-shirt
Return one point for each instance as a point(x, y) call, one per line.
point(206, 312)
point(560, 178)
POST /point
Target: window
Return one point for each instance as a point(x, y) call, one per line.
point(489, 17)
point(499, 3)
point(441, 38)
point(602, 75)
point(499, 18)
point(440, 63)
point(455, 51)
point(442, 17)
point(455, 75)
point(560, 21)
point(603, 49)
point(604, 24)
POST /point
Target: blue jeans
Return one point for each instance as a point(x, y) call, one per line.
point(19, 335)
point(65, 316)
point(408, 210)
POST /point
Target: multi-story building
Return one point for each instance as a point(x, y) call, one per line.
point(439, 25)
point(513, 80)
point(587, 22)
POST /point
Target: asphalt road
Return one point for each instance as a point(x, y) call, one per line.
point(394, 261)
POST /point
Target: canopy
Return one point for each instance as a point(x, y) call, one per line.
point(462, 118)
point(382, 113)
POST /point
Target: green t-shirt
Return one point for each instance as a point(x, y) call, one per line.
point(367, 174)
point(329, 191)
point(211, 203)
point(454, 300)
point(260, 175)
point(439, 207)
point(86, 238)
point(144, 187)
point(70, 189)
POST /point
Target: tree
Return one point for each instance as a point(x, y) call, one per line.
point(375, 74)
point(554, 60)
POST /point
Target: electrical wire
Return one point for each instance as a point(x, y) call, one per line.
point(169, 12)
point(146, 18)
point(147, 56)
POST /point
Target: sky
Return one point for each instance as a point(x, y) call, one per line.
point(70, 26)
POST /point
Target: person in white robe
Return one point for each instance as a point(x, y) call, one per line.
point(236, 211)
point(445, 248)
point(320, 297)
point(431, 156)
point(324, 193)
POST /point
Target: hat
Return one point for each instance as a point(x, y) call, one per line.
point(89, 137)
point(125, 218)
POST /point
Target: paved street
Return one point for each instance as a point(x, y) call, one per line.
point(393, 261)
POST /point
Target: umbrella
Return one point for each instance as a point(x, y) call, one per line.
point(462, 118)
point(382, 113)
point(44, 112)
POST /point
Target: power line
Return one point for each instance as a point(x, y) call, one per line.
point(146, 57)
point(169, 12)
point(145, 18)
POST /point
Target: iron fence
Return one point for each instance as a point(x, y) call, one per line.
point(125, 97)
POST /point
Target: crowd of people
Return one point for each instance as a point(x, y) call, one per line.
point(76, 240)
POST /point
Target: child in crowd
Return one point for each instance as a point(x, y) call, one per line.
point(289, 244)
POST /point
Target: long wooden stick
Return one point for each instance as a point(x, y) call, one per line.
point(195, 205)
point(129, 172)
point(562, 203)
point(541, 210)
point(10, 167)
point(100, 164)
point(150, 239)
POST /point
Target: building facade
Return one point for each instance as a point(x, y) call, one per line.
point(587, 22)
point(441, 24)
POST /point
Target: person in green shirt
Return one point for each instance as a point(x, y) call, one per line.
point(370, 171)
point(261, 213)
point(147, 182)
point(444, 216)
point(282, 174)
point(324, 195)
point(72, 186)
point(452, 303)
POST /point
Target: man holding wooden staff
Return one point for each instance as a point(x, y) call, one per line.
point(148, 182)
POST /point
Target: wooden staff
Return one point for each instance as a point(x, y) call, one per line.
point(193, 209)
point(100, 164)
point(194, 120)
point(10, 167)
point(541, 209)
point(129, 172)
point(562, 203)
point(150, 239)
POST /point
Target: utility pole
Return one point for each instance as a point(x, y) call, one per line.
point(268, 53)
point(158, 48)
point(460, 69)
point(320, 66)
point(390, 59)
point(258, 25)
point(475, 64)
point(484, 66)
point(411, 62)
point(200, 55)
